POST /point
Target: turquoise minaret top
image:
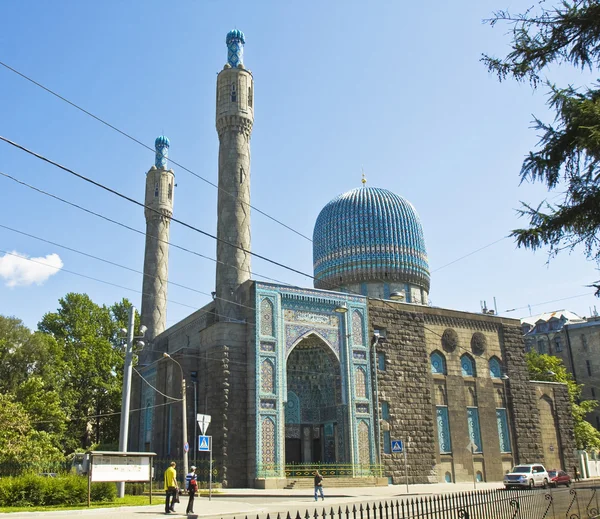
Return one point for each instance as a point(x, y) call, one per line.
point(161, 145)
point(235, 47)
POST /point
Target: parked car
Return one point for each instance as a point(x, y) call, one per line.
point(527, 476)
point(559, 477)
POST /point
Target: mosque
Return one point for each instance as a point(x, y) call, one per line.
point(357, 376)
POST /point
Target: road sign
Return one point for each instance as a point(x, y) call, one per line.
point(397, 446)
point(203, 422)
point(205, 443)
point(186, 447)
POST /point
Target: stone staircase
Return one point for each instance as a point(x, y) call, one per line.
point(293, 483)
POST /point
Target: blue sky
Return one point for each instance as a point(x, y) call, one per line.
point(395, 88)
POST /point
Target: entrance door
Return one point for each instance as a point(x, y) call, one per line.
point(293, 451)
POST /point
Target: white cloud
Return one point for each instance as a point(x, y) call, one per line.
point(20, 270)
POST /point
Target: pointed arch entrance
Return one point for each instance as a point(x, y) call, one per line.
point(314, 414)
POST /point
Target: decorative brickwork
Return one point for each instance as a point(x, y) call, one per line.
point(406, 385)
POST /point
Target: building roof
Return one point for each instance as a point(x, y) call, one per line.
point(565, 315)
point(369, 234)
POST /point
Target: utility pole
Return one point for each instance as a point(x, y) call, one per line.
point(124, 431)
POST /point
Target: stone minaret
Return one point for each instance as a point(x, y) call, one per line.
point(234, 118)
point(159, 197)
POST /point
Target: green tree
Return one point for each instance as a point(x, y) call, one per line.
point(92, 366)
point(551, 369)
point(24, 354)
point(568, 154)
point(20, 442)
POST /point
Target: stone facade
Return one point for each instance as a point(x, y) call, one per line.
point(234, 120)
point(467, 398)
point(160, 184)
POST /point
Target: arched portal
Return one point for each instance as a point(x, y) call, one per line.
point(314, 414)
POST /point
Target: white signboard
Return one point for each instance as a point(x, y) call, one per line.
point(120, 468)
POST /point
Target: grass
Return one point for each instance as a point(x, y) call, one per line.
point(125, 501)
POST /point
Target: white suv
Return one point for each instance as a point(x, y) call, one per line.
point(528, 476)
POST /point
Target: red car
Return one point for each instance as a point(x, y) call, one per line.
point(559, 477)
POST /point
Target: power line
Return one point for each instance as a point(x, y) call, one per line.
point(137, 141)
point(119, 265)
point(469, 254)
point(546, 302)
point(151, 209)
point(120, 224)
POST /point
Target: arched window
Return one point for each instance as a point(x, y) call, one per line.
point(438, 363)
point(467, 366)
point(495, 368)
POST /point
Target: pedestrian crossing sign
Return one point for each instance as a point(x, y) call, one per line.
point(205, 443)
point(397, 446)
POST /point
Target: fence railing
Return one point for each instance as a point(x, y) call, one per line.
point(329, 470)
point(580, 503)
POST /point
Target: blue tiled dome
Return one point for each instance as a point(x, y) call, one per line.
point(369, 235)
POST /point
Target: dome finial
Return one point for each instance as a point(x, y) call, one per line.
point(235, 47)
point(363, 179)
point(161, 145)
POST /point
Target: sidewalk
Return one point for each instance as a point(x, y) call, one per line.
point(241, 502)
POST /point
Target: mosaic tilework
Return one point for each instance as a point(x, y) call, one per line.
point(364, 456)
point(495, 368)
point(503, 432)
point(292, 409)
point(267, 441)
point(267, 377)
point(443, 426)
point(359, 355)
point(267, 346)
point(369, 233)
point(266, 403)
point(362, 408)
point(313, 376)
point(293, 332)
point(360, 383)
point(161, 146)
point(474, 430)
point(292, 431)
point(357, 328)
point(266, 318)
point(438, 363)
point(235, 47)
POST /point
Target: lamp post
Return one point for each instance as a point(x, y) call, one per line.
point(376, 341)
point(194, 375)
point(184, 415)
point(126, 393)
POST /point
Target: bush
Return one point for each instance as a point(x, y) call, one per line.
point(34, 490)
point(135, 489)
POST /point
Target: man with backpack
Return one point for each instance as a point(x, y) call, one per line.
point(191, 484)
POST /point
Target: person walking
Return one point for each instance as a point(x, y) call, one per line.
point(319, 485)
point(171, 488)
point(192, 487)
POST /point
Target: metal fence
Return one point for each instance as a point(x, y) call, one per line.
point(579, 503)
point(329, 470)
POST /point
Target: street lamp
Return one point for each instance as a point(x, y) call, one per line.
point(126, 395)
point(184, 415)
